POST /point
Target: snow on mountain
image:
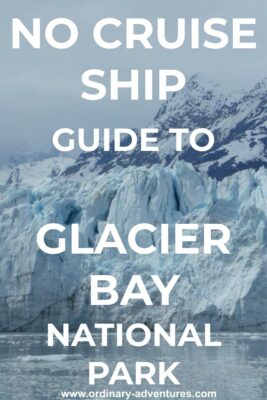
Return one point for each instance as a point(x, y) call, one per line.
point(238, 121)
point(34, 172)
point(229, 291)
point(241, 140)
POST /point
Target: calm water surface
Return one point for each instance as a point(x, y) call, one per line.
point(29, 370)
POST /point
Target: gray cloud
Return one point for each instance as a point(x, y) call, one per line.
point(40, 89)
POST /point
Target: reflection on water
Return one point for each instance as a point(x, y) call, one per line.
point(29, 370)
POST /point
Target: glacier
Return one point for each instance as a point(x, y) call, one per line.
point(228, 291)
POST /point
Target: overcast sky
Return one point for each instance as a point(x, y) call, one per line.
point(41, 89)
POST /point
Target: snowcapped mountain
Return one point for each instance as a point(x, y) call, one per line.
point(241, 137)
point(239, 123)
point(34, 172)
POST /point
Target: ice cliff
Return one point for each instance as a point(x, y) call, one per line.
point(229, 291)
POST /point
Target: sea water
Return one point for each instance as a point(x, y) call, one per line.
point(29, 370)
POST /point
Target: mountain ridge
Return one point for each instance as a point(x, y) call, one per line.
point(238, 123)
